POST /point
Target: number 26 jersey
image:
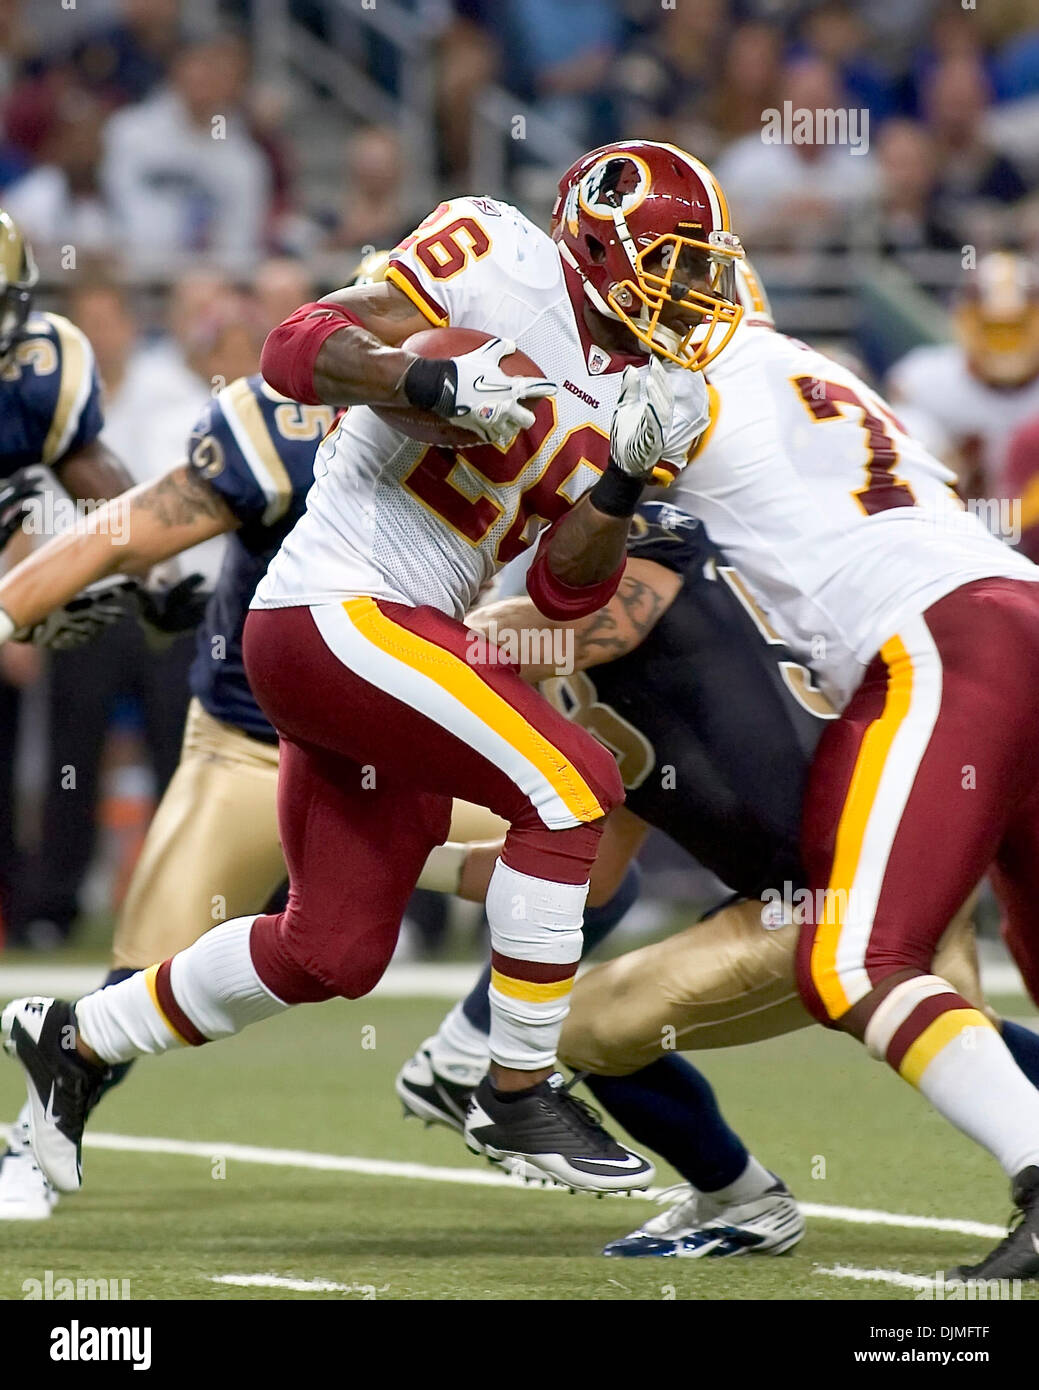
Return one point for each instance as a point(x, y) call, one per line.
point(412, 523)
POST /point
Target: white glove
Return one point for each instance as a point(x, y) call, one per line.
point(487, 401)
point(642, 419)
point(81, 619)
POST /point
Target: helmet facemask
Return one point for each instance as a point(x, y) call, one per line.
point(680, 268)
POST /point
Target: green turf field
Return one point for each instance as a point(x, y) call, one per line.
point(840, 1129)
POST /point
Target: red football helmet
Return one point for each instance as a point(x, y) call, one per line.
point(643, 223)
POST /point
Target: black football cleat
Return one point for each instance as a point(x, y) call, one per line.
point(556, 1134)
point(1017, 1254)
point(429, 1090)
point(62, 1086)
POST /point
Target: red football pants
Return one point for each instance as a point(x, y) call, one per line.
point(929, 777)
point(385, 713)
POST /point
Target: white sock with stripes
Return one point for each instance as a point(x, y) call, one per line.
point(960, 1063)
point(210, 989)
point(535, 947)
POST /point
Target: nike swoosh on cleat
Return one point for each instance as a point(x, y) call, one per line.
point(632, 1161)
point(48, 1114)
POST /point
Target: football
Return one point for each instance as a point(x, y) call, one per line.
point(424, 425)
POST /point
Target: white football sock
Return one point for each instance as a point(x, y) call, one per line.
point(975, 1083)
point(212, 983)
point(958, 1060)
point(457, 1038)
point(537, 922)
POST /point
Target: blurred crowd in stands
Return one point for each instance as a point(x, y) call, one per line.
point(142, 126)
point(144, 144)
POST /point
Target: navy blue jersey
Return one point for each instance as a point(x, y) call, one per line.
point(50, 395)
point(712, 720)
point(255, 449)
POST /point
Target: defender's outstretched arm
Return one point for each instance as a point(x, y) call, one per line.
point(127, 535)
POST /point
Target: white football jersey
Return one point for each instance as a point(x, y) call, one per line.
point(842, 525)
point(413, 523)
point(977, 418)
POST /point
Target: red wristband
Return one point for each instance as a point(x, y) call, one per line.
point(562, 602)
point(291, 349)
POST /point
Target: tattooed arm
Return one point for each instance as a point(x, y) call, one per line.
point(127, 535)
point(644, 596)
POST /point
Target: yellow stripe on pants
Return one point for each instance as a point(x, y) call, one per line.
point(851, 829)
point(461, 682)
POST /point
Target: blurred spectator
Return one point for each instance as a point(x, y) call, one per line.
point(213, 335)
point(906, 219)
point(14, 50)
point(667, 75)
point(280, 286)
point(467, 60)
point(373, 211)
point(749, 82)
point(1017, 66)
point(104, 312)
point(559, 55)
point(970, 171)
point(181, 169)
point(837, 33)
point(126, 60)
point(59, 202)
point(796, 194)
point(32, 106)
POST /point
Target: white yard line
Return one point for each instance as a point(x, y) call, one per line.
point(278, 1281)
point(403, 980)
point(864, 1217)
point(878, 1276)
point(478, 1177)
point(426, 980)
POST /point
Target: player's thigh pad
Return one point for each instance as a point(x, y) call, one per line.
point(212, 851)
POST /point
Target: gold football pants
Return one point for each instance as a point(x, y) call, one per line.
point(212, 851)
point(721, 983)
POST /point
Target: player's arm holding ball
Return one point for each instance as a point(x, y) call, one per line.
point(346, 350)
